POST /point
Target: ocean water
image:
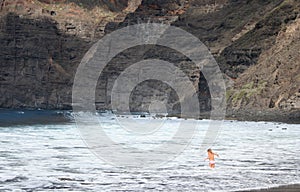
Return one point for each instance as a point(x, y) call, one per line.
point(51, 155)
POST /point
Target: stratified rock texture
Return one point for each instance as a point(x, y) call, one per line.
point(42, 43)
point(275, 81)
point(237, 31)
point(261, 35)
point(144, 94)
point(255, 42)
point(38, 62)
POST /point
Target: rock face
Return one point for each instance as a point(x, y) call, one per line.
point(37, 63)
point(255, 42)
point(236, 33)
point(40, 51)
point(145, 93)
point(274, 82)
point(166, 12)
point(253, 34)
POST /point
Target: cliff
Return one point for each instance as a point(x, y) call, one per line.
point(274, 82)
point(255, 43)
point(42, 43)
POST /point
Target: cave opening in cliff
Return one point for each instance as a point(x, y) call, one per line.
point(204, 94)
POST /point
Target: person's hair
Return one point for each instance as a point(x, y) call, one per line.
point(208, 150)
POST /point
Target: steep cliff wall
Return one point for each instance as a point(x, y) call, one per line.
point(275, 81)
point(245, 34)
point(42, 43)
point(166, 12)
point(45, 41)
point(37, 63)
point(233, 34)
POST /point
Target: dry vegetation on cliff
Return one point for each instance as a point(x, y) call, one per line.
point(279, 68)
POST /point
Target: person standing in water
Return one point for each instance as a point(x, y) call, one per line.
point(211, 158)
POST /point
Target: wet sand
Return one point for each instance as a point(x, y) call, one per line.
point(285, 188)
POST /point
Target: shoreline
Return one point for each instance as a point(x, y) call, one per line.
point(282, 188)
point(289, 117)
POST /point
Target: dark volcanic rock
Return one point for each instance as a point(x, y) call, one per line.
point(39, 54)
point(38, 63)
point(230, 31)
point(41, 47)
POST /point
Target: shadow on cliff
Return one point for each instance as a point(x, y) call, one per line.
point(38, 63)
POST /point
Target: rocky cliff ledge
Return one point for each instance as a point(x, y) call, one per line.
point(255, 42)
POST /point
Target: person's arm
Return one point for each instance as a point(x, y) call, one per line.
point(216, 154)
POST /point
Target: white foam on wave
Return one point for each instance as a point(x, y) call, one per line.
point(42, 157)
